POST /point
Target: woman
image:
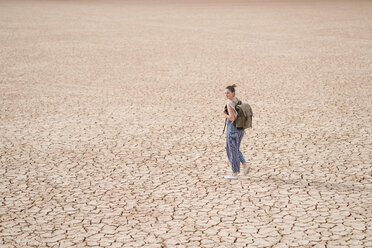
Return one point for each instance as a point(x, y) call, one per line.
point(233, 135)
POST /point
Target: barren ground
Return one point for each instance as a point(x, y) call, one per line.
point(111, 123)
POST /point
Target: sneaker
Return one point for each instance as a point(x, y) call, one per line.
point(231, 177)
point(245, 170)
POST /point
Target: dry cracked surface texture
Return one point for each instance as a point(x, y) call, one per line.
point(111, 124)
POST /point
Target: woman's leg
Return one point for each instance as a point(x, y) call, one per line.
point(242, 160)
point(233, 151)
point(241, 157)
point(228, 150)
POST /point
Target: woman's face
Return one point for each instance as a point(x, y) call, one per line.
point(229, 95)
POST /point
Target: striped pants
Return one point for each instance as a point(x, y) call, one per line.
point(233, 140)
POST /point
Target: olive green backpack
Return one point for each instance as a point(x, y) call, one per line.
point(244, 118)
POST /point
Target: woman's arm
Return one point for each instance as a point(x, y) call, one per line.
point(230, 116)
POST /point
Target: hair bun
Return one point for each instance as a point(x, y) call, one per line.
point(234, 85)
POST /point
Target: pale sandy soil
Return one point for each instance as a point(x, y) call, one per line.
point(111, 124)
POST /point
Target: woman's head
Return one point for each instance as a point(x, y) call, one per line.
point(230, 91)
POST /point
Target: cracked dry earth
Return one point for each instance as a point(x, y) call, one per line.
point(111, 124)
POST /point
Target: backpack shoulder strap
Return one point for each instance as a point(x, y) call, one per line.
point(239, 103)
